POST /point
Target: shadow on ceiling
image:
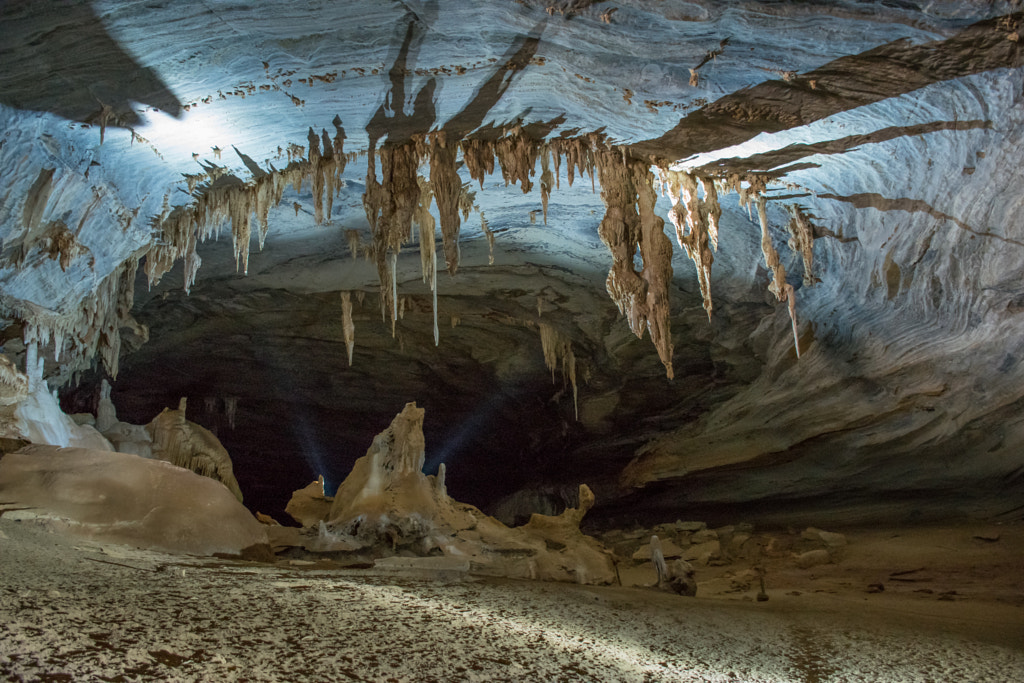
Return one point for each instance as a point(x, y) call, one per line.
point(846, 83)
point(58, 57)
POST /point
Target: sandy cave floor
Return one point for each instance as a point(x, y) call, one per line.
point(79, 610)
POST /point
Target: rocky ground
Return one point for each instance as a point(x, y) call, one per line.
point(950, 606)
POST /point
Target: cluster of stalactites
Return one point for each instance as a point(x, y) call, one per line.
point(399, 197)
point(629, 225)
point(558, 352)
point(92, 328)
point(390, 204)
point(221, 198)
point(696, 223)
point(326, 165)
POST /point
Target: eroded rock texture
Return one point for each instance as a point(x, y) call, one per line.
point(840, 317)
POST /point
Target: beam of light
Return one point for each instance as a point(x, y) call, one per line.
point(306, 436)
point(472, 425)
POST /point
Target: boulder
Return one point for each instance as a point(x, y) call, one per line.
point(828, 538)
point(703, 553)
point(123, 498)
point(812, 558)
point(676, 577)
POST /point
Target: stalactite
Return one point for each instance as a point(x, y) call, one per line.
point(801, 240)
point(546, 180)
point(347, 325)
point(390, 205)
point(630, 223)
point(353, 243)
point(447, 189)
point(557, 350)
point(327, 169)
point(692, 219)
point(240, 210)
point(517, 155)
point(712, 209)
point(318, 176)
point(478, 155)
point(231, 409)
point(428, 256)
point(656, 252)
point(490, 238)
point(782, 290)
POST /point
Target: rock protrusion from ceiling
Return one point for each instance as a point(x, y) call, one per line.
point(348, 327)
point(558, 351)
point(94, 328)
point(783, 291)
point(630, 225)
point(191, 446)
point(701, 216)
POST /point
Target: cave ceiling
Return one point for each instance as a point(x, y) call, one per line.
point(810, 208)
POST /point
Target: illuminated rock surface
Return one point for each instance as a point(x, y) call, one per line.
point(122, 498)
point(846, 189)
point(730, 261)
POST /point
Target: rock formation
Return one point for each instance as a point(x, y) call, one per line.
point(309, 505)
point(122, 498)
point(677, 577)
point(192, 447)
point(386, 505)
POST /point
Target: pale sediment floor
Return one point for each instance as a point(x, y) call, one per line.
point(73, 610)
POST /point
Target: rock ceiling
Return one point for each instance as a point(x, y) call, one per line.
point(228, 202)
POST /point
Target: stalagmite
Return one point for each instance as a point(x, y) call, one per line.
point(191, 446)
point(387, 507)
point(348, 327)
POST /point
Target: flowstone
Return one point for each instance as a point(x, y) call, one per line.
point(387, 507)
point(123, 498)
